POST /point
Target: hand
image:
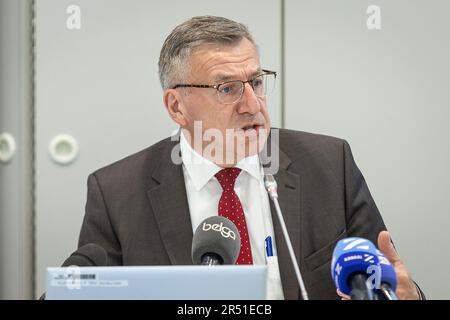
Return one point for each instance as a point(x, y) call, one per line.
point(406, 288)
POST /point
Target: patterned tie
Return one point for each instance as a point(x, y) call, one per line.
point(230, 207)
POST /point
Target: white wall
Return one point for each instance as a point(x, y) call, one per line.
point(387, 93)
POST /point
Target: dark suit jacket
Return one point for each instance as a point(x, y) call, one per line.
point(137, 209)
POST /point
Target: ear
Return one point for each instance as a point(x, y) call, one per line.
point(174, 105)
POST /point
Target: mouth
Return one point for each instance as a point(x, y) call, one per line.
point(252, 127)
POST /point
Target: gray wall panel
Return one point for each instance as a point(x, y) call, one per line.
point(16, 250)
point(386, 92)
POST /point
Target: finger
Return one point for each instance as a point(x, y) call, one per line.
point(387, 248)
point(343, 296)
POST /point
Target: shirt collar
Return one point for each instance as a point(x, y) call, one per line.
point(251, 165)
point(201, 170)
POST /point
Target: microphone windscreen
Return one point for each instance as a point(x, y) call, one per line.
point(351, 256)
point(219, 236)
point(388, 274)
point(89, 255)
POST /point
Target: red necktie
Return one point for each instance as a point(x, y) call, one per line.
point(230, 207)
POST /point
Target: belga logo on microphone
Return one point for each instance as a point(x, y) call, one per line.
point(224, 231)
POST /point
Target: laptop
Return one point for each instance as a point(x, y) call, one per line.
point(227, 282)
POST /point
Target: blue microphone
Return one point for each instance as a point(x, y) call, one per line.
point(388, 282)
point(354, 259)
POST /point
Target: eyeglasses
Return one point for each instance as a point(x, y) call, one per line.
point(231, 91)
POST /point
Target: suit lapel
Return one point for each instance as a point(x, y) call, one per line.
point(169, 202)
point(289, 198)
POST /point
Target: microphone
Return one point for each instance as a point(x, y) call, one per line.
point(89, 255)
point(388, 281)
point(216, 241)
point(271, 187)
point(353, 259)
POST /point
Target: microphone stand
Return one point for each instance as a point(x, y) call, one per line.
point(387, 292)
point(271, 187)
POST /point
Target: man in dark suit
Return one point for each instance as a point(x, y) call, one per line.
point(143, 209)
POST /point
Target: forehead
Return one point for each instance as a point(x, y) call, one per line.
point(215, 62)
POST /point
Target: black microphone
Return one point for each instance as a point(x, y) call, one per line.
point(216, 241)
point(89, 255)
point(360, 289)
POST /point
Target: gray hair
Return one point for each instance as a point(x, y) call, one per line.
point(195, 32)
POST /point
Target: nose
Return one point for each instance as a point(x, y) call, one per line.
point(249, 102)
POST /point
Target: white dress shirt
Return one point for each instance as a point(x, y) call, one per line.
point(204, 191)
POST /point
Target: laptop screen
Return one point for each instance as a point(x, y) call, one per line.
point(158, 282)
